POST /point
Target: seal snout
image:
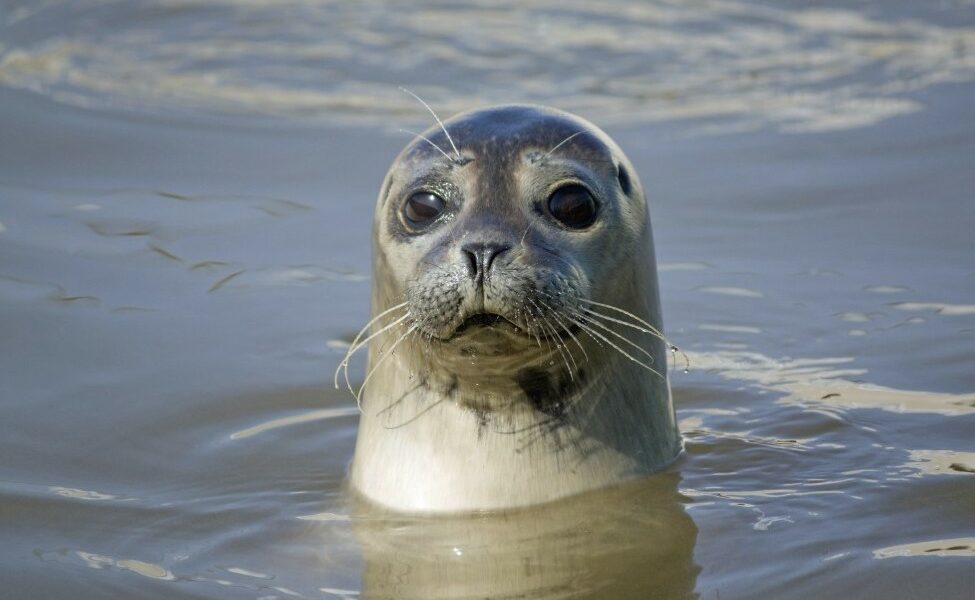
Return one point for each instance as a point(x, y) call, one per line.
point(480, 258)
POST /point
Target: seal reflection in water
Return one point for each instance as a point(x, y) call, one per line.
point(632, 541)
point(514, 355)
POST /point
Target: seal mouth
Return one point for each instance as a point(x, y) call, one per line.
point(488, 321)
point(485, 320)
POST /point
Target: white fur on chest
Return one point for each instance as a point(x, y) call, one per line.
point(428, 454)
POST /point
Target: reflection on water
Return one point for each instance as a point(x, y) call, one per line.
point(960, 547)
point(179, 279)
point(631, 542)
point(316, 415)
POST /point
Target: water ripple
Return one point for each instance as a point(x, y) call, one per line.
point(737, 64)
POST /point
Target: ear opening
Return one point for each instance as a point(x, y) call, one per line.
point(624, 179)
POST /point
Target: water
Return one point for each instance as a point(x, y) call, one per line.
point(185, 199)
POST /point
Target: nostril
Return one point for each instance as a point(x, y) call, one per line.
point(480, 257)
point(472, 261)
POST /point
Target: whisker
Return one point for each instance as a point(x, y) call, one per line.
point(374, 319)
point(564, 328)
point(625, 323)
point(363, 343)
point(593, 332)
point(528, 325)
point(571, 309)
point(616, 334)
point(559, 343)
point(439, 122)
point(652, 330)
point(531, 221)
point(352, 346)
point(540, 319)
point(387, 354)
point(578, 324)
point(629, 314)
point(429, 141)
point(559, 145)
point(564, 350)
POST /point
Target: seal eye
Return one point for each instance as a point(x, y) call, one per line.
point(573, 206)
point(423, 207)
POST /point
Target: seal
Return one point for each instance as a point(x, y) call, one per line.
point(515, 354)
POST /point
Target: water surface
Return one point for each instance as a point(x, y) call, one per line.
point(185, 200)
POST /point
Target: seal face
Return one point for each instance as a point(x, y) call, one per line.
point(513, 257)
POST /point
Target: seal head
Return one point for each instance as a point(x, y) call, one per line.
point(514, 247)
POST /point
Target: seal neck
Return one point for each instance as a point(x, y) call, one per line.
point(421, 451)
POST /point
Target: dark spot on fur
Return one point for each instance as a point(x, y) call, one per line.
point(545, 394)
point(452, 386)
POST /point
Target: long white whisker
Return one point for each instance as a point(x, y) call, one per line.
point(439, 122)
point(652, 331)
point(559, 343)
point(625, 323)
point(359, 335)
point(354, 349)
point(586, 330)
point(567, 330)
point(541, 325)
point(564, 328)
point(578, 324)
point(616, 334)
point(429, 141)
point(531, 221)
point(560, 144)
point(387, 354)
point(595, 333)
point(528, 326)
point(629, 314)
point(374, 319)
point(564, 350)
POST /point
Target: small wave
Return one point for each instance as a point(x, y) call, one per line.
point(731, 66)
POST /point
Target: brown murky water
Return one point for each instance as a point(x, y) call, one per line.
point(185, 198)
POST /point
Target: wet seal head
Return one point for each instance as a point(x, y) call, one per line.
point(516, 319)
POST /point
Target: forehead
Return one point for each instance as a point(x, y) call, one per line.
point(506, 132)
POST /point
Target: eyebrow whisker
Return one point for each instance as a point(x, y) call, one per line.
point(439, 122)
point(559, 145)
point(429, 141)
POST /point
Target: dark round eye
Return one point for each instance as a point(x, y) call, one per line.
point(573, 206)
point(423, 207)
